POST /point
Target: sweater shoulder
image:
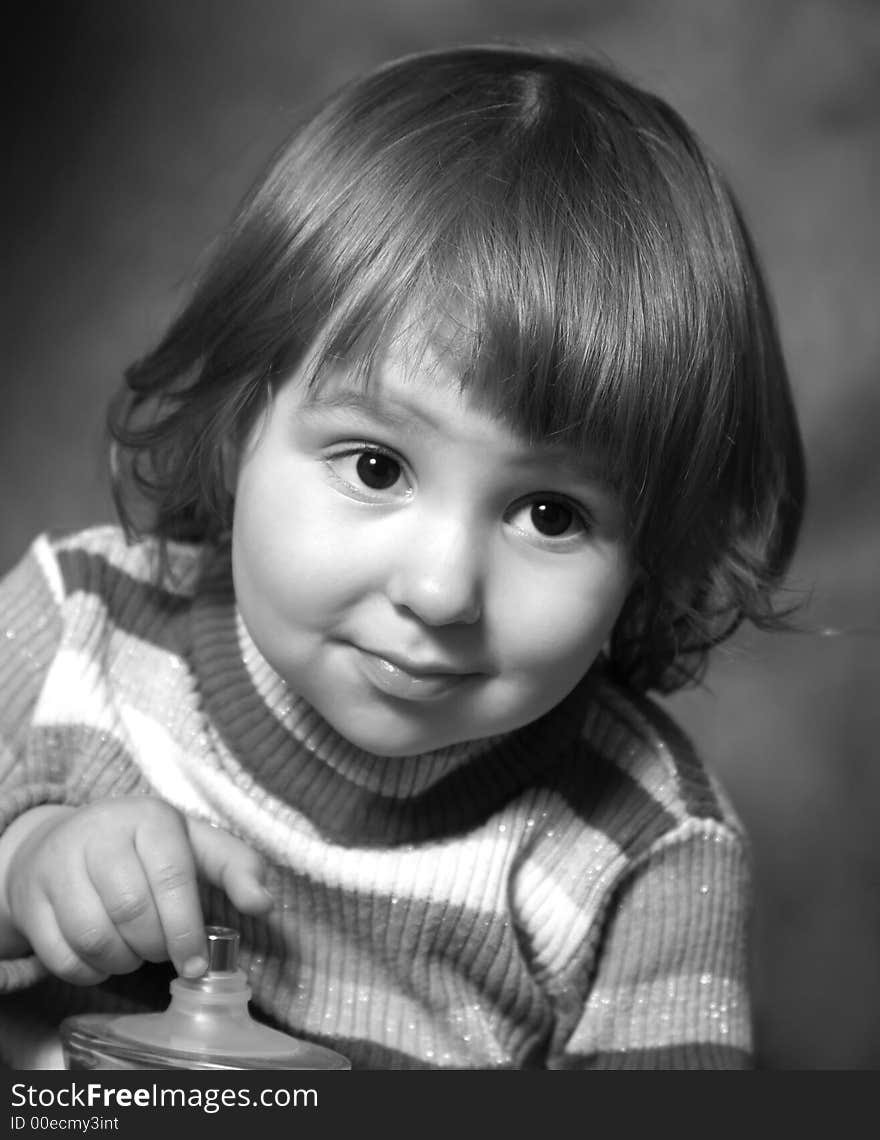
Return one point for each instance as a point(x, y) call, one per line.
point(630, 802)
point(102, 559)
point(640, 738)
point(633, 780)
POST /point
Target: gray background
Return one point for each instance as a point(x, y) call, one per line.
point(133, 128)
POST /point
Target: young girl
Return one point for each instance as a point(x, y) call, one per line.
point(475, 432)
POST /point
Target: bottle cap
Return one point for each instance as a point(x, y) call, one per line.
point(222, 949)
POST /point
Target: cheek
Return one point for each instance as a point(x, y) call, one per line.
point(293, 552)
point(556, 629)
point(277, 563)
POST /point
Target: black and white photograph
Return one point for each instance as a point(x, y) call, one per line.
point(440, 536)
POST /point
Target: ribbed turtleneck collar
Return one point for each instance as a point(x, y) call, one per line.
point(352, 795)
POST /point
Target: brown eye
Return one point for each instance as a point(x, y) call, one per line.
point(551, 518)
point(377, 471)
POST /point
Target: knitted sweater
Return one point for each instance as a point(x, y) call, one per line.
point(574, 894)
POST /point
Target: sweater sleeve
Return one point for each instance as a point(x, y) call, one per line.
point(30, 633)
point(669, 989)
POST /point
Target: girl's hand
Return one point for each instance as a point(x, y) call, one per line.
point(98, 890)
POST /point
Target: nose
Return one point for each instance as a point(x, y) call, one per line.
point(438, 574)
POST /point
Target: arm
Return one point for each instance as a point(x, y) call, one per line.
point(30, 634)
point(95, 889)
point(670, 985)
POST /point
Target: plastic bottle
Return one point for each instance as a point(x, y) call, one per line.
point(206, 1026)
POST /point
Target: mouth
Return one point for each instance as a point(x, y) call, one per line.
point(410, 682)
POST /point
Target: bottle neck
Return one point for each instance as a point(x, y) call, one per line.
point(214, 992)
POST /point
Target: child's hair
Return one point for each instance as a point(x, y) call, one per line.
point(604, 292)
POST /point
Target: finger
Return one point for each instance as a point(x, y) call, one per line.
point(228, 862)
point(53, 949)
point(163, 847)
point(122, 885)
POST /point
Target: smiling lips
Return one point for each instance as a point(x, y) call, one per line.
point(407, 683)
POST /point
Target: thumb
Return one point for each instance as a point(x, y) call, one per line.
point(229, 863)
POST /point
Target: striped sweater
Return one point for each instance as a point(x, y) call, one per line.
point(574, 894)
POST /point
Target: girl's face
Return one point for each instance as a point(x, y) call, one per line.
point(412, 567)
